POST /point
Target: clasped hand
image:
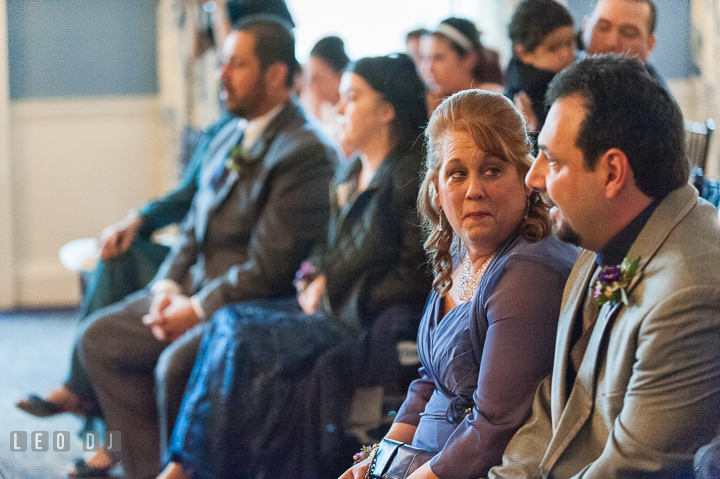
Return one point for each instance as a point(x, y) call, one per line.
point(170, 316)
point(310, 297)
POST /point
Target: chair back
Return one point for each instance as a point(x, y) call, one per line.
point(697, 141)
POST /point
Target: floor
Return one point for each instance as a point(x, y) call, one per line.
point(34, 357)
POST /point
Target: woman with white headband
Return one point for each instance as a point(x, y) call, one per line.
point(457, 60)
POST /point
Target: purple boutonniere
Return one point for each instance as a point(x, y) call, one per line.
point(613, 281)
point(239, 159)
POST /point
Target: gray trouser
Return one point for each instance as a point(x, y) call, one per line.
point(120, 355)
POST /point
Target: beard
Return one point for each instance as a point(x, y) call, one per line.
point(565, 232)
point(561, 227)
point(246, 106)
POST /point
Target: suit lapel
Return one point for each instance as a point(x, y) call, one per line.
point(259, 150)
point(581, 402)
point(581, 282)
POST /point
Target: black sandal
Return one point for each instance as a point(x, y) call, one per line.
point(39, 407)
point(83, 469)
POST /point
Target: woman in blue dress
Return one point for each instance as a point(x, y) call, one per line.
point(488, 332)
point(252, 407)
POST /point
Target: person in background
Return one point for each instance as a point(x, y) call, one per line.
point(412, 44)
point(626, 27)
point(635, 388)
point(542, 38)
point(321, 82)
point(456, 60)
point(487, 336)
point(250, 409)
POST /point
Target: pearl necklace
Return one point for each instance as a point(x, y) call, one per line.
point(468, 282)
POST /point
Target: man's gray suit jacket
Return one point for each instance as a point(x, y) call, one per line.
point(245, 239)
point(647, 393)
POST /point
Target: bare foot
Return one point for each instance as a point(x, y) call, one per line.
point(173, 471)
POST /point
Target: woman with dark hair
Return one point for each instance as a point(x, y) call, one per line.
point(456, 60)
point(542, 38)
point(321, 79)
point(487, 337)
point(250, 408)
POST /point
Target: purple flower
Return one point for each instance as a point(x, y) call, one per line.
point(610, 274)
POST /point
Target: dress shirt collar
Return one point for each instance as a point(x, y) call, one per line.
point(255, 127)
point(617, 248)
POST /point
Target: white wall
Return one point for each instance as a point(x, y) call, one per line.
point(7, 276)
point(77, 165)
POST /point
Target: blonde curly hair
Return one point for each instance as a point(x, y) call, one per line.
point(496, 127)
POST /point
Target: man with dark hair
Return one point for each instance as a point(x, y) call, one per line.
point(261, 205)
point(635, 389)
point(622, 26)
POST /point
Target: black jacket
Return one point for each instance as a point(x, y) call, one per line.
point(375, 257)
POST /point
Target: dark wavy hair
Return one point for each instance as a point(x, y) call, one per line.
point(496, 127)
point(627, 109)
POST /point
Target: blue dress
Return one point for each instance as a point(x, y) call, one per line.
point(271, 386)
point(483, 360)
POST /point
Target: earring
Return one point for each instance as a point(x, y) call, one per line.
point(527, 207)
point(439, 226)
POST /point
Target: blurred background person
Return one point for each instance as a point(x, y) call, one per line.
point(412, 44)
point(542, 38)
point(321, 81)
point(457, 60)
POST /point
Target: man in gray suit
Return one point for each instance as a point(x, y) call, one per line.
point(261, 205)
point(635, 389)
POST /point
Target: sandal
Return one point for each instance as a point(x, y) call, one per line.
point(39, 407)
point(80, 468)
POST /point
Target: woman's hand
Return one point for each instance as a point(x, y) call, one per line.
point(358, 471)
point(309, 299)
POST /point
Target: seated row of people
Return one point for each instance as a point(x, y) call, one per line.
point(263, 400)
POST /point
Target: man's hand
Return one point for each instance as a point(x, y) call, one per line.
point(170, 316)
point(309, 299)
point(115, 239)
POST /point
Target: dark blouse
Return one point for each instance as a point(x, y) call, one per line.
point(491, 352)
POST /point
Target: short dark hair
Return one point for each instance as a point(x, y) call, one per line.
point(332, 51)
point(274, 42)
point(628, 109)
point(652, 21)
point(533, 20)
point(416, 34)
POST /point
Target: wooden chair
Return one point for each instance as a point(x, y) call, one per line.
point(697, 141)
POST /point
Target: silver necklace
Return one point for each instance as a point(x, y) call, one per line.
point(469, 282)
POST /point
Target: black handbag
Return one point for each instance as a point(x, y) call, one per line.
point(396, 460)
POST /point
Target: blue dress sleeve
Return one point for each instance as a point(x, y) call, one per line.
point(520, 315)
point(418, 396)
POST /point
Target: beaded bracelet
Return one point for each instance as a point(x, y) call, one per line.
point(365, 453)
